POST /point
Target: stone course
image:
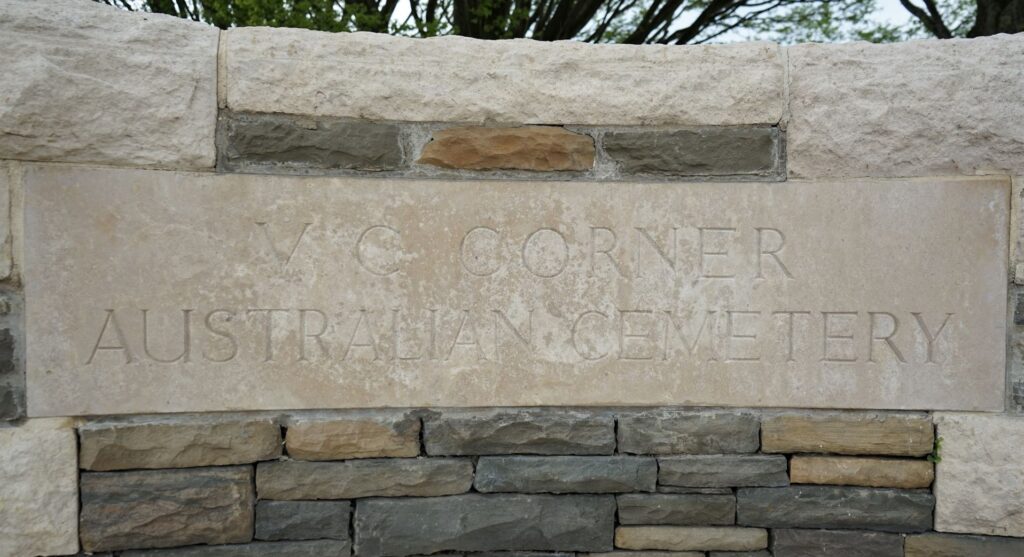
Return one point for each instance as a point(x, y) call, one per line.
point(317, 548)
point(835, 543)
point(542, 432)
point(720, 151)
point(399, 477)
point(538, 148)
point(302, 520)
point(861, 471)
point(565, 474)
point(357, 435)
point(948, 545)
point(835, 507)
point(691, 538)
point(677, 509)
point(848, 434)
point(668, 431)
point(723, 471)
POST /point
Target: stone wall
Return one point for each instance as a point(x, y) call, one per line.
point(90, 89)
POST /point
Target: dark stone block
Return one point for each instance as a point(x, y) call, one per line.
point(680, 510)
point(950, 545)
point(723, 471)
point(515, 431)
point(475, 522)
point(836, 543)
point(302, 520)
point(705, 151)
point(888, 510)
point(566, 474)
point(350, 479)
point(739, 554)
point(683, 432)
point(281, 143)
point(318, 548)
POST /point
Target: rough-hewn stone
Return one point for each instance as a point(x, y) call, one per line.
point(552, 432)
point(475, 522)
point(354, 436)
point(115, 445)
point(835, 543)
point(864, 508)
point(691, 538)
point(528, 82)
point(540, 148)
point(565, 474)
point(719, 151)
point(862, 471)
point(682, 510)
point(12, 374)
point(288, 144)
point(38, 489)
point(149, 100)
point(645, 554)
point(399, 477)
point(703, 490)
point(668, 431)
point(739, 554)
point(850, 434)
point(723, 470)
point(847, 118)
point(302, 520)
point(979, 483)
point(317, 548)
point(166, 508)
point(949, 545)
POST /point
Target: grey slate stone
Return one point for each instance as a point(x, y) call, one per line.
point(888, 510)
point(351, 479)
point(282, 143)
point(12, 369)
point(934, 544)
point(565, 474)
point(723, 471)
point(705, 151)
point(739, 554)
point(704, 490)
point(519, 431)
point(681, 510)
point(835, 543)
point(166, 508)
point(317, 548)
point(302, 520)
point(476, 522)
point(683, 432)
point(521, 554)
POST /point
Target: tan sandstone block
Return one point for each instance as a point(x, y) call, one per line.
point(691, 538)
point(890, 435)
point(541, 148)
point(356, 436)
point(177, 444)
point(867, 472)
point(38, 489)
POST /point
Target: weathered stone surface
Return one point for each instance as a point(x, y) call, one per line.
point(704, 490)
point(739, 554)
point(691, 538)
point(38, 489)
point(846, 119)
point(288, 144)
point(683, 510)
point(948, 545)
point(475, 522)
point(12, 371)
point(302, 520)
point(403, 477)
point(512, 316)
point(835, 543)
point(318, 548)
point(354, 436)
point(851, 434)
point(723, 470)
point(541, 148)
point(520, 554)
point(112, 445)
point(150, 100)
point(979, 483)
point(669, 431)
point(526, 431)
point(645, 554)
point(566, 474)
point(718, 151)
point(864, 508)
point(9, 174)
point(166, 508)
point(528, 82)
point(862, 471)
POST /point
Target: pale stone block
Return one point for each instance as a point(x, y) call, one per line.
point(850, 434)
point(691, 538)
point(979, 483)
point(339, 292)
point(919, 108)
point(353, 436)
point(38, 489)
point(866, 472)
point(89, 83)
point(458, 79)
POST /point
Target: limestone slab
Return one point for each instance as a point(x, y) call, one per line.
point(916, 108)
point(149, 100)
point(458, 79)
point(38, 489)
point(979, 483)
point(153, 291)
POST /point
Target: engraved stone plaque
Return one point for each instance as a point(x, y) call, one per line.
point(152, 291)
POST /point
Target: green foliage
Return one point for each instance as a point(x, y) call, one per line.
point(935, 457)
